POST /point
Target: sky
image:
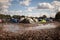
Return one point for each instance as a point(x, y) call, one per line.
point(30, 7)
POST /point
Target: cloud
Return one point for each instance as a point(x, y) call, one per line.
point(4, 5)
point(25, 2)
point(48, 5)
point(14, 12)
point(45, 6)
point(56, 3)
point(4, 1)
point(53, 6)
point(30, 9)
point(53, 14)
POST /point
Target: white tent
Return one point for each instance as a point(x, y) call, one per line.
point(26, 20)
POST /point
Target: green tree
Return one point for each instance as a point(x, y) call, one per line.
point(44, 16)
point(57, 16)
point(2, 16)
point(16, 16)
point(7, 16)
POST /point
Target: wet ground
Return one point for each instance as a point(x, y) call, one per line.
point(29, 31)
point(17, 28)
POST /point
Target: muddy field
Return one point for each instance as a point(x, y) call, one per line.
point(50, 31)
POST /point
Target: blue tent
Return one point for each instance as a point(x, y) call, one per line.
point(14, 20)
point(48, 19)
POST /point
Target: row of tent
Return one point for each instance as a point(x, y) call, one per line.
point(23, 20)
point(27, 20)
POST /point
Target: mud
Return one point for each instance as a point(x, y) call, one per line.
point(39, 32)
point(18, 28)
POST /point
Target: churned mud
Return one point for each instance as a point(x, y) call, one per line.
point(50, 31)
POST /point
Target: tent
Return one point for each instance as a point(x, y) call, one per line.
point(43, 21)
point(14, 20)
point(35, 19)
point(40, 18)
point(21, 19)
point(49, 20)
point(26, 20)
point(1, 20)
point(30, 20)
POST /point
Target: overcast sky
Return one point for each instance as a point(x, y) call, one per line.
point(30, 7)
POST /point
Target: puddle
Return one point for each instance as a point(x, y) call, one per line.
point(11, 28)
point(17, 28)
point(41, 26)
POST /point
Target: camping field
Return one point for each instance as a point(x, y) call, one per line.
point(50, 31)
point(29, 19)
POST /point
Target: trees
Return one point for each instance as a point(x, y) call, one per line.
point(2, 16)
point(57, 16)
point(44, 16)
point(16, 16)
point(7, 16)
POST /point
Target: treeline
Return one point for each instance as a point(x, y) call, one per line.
point(2, 16)
point(57, 16)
